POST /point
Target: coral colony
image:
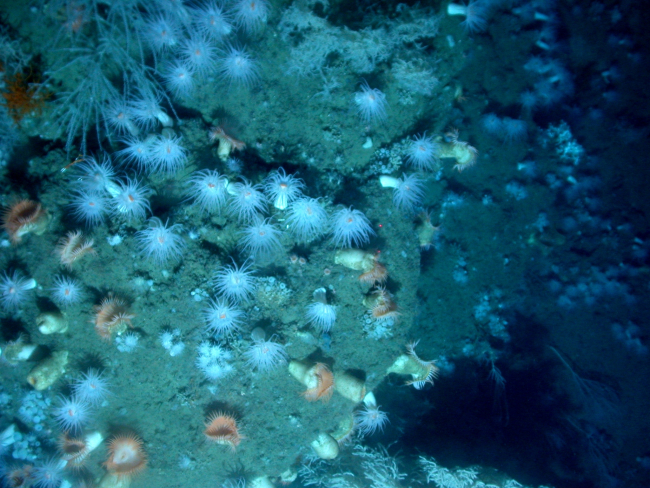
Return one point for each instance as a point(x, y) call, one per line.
point(312, 243)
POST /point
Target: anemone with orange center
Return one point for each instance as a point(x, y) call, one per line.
point(222, 429)
point(72, 247)
point(126, 456)
point(324, 384)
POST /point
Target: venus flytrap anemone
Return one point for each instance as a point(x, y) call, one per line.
point(112, 317)
point(222, 428)
point(464, 154)
point(126, 458)
point(24, 217)
point(427, 232)
point(75, 450)
point(376, 276)
point(381, 305)
point(421, 372)
point(72, 247)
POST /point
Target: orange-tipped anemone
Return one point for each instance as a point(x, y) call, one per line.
point(126, 457)
point(222, 429)
point(324, 384)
